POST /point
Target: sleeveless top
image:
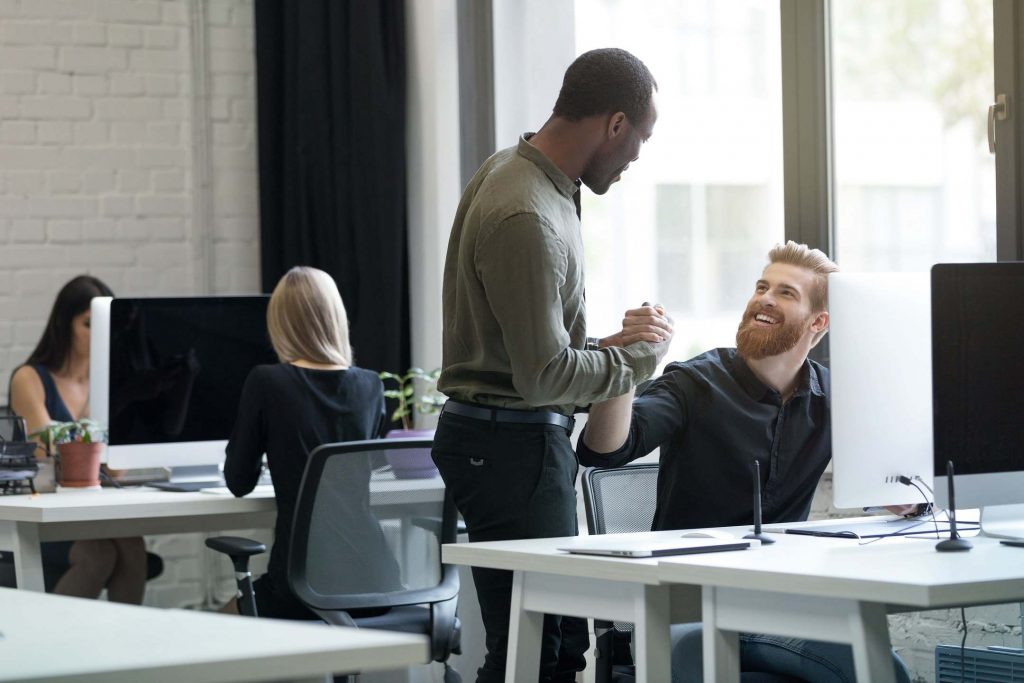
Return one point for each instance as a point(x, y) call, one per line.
point(55, 405)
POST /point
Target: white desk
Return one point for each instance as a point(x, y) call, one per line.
point(26, 521)
point(54, 638)
point(837, 590)
point(822, 588)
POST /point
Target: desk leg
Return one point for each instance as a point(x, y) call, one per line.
point(28, 563)
point(721, 646)
point(651, 637)
point(524, 635)
point(869, 635)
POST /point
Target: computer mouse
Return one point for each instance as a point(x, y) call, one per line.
point(708, 533)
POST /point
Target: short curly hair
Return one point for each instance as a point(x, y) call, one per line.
point(606, 81)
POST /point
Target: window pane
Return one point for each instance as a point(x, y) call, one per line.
point(915, 183)
point(690, 224)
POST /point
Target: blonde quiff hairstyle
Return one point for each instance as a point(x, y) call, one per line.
point(306, 319)
point(814, 260)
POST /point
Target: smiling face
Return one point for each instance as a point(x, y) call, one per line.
point(619, 150)
point(779, 314)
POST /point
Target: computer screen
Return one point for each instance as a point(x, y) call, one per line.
point(166, 374)
point(978, 378)
point(881, 374)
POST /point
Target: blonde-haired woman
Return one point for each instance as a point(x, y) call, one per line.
point(312, 397)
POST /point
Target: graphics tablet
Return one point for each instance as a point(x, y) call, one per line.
point(619, 546)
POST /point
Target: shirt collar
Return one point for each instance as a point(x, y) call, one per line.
point(565, 185)
point(757, 389)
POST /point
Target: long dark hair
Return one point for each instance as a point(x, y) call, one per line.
point(54, 347)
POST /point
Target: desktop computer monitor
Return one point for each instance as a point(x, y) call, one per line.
point(166, 374)
point(881, 375)
point(978, 379)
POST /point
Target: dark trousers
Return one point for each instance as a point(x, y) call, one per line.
point(512, 481)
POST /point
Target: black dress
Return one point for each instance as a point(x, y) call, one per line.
point(286, 411)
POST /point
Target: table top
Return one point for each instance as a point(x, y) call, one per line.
point(69, 639)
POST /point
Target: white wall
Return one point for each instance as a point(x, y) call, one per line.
point(106, 109)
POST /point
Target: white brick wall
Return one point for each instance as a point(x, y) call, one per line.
point(99, 122)
point(99, 173)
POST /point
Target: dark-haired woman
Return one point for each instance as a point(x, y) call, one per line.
point(53, 386)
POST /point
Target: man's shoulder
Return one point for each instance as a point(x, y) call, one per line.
point(510, 185)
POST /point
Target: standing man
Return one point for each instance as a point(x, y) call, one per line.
point(517, 361)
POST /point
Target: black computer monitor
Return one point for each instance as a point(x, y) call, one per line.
point(978, 389)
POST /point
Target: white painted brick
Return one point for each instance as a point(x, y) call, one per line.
point(60, 207)
point(127, 84)
point(176, 280)
point(230, 38)
point(27, 333)
point(155, 60)
point(28, 57)
point(117, 206)
point(161, 205)
point(176, 13)
point(64, 231)
point(17, 132)
point(169, 181)
point(53, 83)
point(162, 84)
point(18, 82)
point(129, 108)
point(14, 32)
point(91, 132)
point(167, 229)
point(8, 108)
point(156, 157)
point(55, 107)
point(98, 230)
point(242, 15)
point(243, 110)
point(65, 182)
point(163, 255)
point(165, 133)
point(105, 254)
point(95, 181)
point(129, 132)
point(13, 207)
point(132, 229)
point(131, 180)
point(97, 60)
point(56, 9)
point(25, 183)
point(231, 85)
point(231, 61)
point(54, 132)
point(119, 35)
point(229, 159)
point(129, 11)
point(90, 34)
point(28, 230)
point(6, 329)
point(161, 37)
point(142, 279)
point(26, 256)
point(231, 134)
point(100, 157)
point(177, 109)
point(89, 86)
point(218, 13)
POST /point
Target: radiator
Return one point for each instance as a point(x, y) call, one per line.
point(981, 665)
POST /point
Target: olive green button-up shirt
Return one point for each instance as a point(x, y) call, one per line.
point(514, 312)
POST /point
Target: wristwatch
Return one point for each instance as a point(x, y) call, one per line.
point(593, 344)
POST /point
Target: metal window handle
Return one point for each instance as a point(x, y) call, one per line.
point(999, 110)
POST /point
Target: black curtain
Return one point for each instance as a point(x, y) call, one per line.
point(331, 119)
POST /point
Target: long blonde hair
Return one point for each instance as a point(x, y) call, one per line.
point(306, 319)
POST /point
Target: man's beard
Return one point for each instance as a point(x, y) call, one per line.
point(755, 343)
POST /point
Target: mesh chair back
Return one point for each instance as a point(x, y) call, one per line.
point(362, 538)
point(621, 499)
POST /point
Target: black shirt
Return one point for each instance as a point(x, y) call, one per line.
point(286, 411)
point(712, 418)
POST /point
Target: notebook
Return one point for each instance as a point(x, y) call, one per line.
point(618, 545)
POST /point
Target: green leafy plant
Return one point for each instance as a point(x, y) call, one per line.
point(428, 401)
point(83, 430)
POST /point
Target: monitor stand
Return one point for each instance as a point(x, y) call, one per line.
point(191, 478)
point(1002, 521)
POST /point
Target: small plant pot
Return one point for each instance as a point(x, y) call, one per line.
point(411, 463)
point(79, 464)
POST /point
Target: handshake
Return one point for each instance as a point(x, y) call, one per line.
point(648, 323)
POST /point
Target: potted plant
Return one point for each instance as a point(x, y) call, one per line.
point(412, 464)
point(78, 445)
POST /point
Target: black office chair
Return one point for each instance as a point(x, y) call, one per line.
point(340, 563)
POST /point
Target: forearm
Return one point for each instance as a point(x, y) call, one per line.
point(608, 423)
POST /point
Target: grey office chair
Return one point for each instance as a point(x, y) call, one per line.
point(623, 500)
point(358, 548)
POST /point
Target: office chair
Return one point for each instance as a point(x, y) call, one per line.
point(341, 564)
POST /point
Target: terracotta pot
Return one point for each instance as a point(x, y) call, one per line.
point(411, 463)
point(79, 464)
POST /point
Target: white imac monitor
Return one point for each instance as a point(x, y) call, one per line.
point(881, 374)
point(166, 374)
point(978, 376)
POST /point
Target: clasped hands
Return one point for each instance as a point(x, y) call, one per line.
point(648, 323)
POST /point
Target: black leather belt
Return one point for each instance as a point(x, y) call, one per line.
point(479, 412)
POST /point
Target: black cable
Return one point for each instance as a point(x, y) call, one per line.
point(928, 503)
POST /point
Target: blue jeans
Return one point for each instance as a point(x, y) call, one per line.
point(785, 659)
